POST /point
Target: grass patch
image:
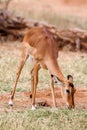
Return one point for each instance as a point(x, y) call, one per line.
point(44, 119)
point(72, 63)
point(76, 66)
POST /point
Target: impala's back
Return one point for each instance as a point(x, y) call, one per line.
point(41, 42)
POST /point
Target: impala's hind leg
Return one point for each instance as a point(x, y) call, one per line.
point(52, 90)
point(34, 82)
point(22, 62)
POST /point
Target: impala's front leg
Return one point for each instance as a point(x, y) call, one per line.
point(52, 90)
point(24, 57)
point(34, 82)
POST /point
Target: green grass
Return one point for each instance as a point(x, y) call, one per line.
point(44, 119)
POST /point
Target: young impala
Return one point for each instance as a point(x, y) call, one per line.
point(40, 44)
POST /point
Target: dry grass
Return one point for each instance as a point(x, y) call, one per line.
point(70, 63)
point(42, 118)
point(59, 20)
point(51, 12)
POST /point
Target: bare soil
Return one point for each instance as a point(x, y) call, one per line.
point(22, 100)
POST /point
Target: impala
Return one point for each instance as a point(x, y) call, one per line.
point(39, 43)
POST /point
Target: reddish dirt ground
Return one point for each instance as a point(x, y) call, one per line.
point(22, 100)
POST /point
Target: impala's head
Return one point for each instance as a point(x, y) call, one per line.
point(68, 92)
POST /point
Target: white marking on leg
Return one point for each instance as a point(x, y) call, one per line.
point(10, 102)
point(31, 59)
point(55, 79)
point(33, 107)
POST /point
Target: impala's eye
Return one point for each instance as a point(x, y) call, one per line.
point(67, 91)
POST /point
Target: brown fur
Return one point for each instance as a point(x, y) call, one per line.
point(40, 43)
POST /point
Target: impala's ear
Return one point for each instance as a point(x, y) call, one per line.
point(71, 84)
point(70, 78)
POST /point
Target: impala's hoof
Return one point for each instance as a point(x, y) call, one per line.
point(10, 103)
point(34, 107)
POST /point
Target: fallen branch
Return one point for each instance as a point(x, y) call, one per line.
point(14, 27)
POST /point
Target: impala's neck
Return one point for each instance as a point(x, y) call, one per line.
point(53, 67)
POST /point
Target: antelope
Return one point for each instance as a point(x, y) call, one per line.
point(39, 43)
